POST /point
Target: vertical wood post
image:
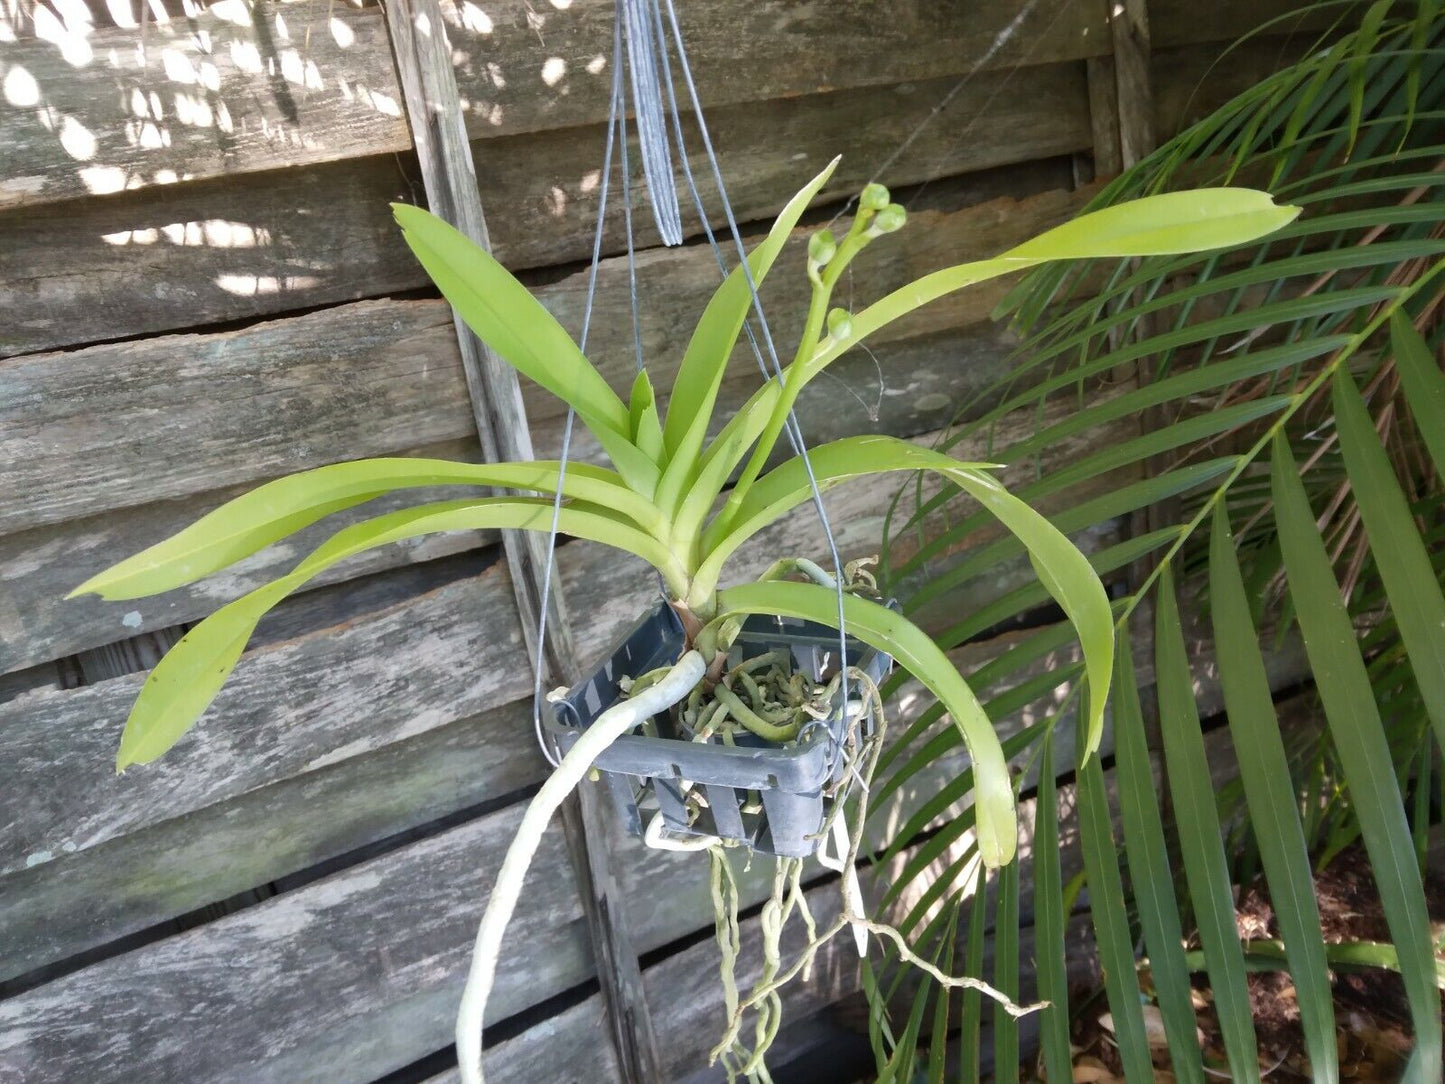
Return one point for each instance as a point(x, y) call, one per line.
point(424, 70)
point(1132, 138)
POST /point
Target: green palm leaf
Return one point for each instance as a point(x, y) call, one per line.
point(1150, 876)
point(1270, 793)
point(694, 391)
point(1200, 835)
point(1358, 734)
point(1411, 584)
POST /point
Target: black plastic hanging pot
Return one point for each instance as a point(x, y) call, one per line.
point(761, 794)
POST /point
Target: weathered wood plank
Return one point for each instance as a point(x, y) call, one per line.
point(233, 90)
point(116, 425)
point(424, 67)
point(345, 979)
point(41, 566)
point(187, 255)
point(78, 903)
point(562, 1048)
point(325, 698)
point(296, 706)
point(1181, 22)
point(1190, 82)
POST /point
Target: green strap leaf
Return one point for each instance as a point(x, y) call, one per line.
point(1201, 839)
point(881, 628)
point(694, 391)
point(1400, 556)
point(1149, 872)
point(1006, 975)
point(1173, 223)
point(525, 335)
point(1169, 224)
point(1064, 571)
point(1270, 794)
point(185, 682)
point(254, 520)
point(1364, 753)
point(645, 425)
point(509, 319)
point(719, 461)
point(1423, 383)
point(972, 1016)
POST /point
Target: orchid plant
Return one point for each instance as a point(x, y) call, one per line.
point(662, 497)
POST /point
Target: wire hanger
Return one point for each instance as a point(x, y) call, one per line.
point(640, 32)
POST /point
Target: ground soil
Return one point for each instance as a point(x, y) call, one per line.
point(1373, 1030)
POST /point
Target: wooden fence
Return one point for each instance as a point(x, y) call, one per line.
point(202, 289)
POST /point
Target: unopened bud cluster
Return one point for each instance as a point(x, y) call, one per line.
point(828, 258)
point(877, 215)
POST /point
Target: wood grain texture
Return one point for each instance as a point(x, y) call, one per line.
point(562, 1049)
point(350, 977)
point(43, 565)
point(235, 88)
point(296, 705)
point(424, 67)
point(1182, 22)
point(240, 90)
point(79, 903)
point(223, 250)
point(116, 425)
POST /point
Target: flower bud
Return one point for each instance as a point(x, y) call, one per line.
point(821, 248)
point(891, 218)
point(840, 324)
point(874, 197)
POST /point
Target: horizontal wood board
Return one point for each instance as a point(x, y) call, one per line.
point(237, 90)
point(400, 988)
point(180, 256)
point(413, 743)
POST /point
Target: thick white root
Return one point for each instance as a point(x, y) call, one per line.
point(612, 724)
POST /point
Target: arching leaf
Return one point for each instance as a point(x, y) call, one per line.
point(184, 683)
point(882, 628)
point(270, 512)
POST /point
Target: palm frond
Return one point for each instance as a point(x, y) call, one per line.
point(1320, 348)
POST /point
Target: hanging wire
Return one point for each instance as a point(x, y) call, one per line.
point(542, 740)
point(624, 155)
point(642, 57)
point(638, 27)
point(757, 305)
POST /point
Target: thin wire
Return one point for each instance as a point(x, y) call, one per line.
point(998, 43)
point(632, 268)
point(642, 45)
point(790, 426)
point(762, 322)
point(537, 726)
